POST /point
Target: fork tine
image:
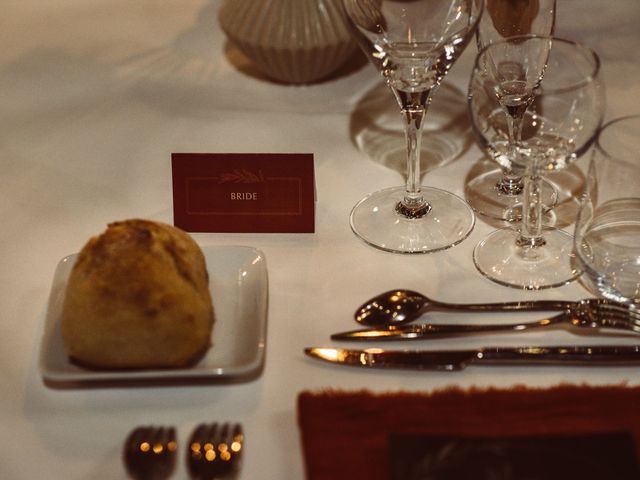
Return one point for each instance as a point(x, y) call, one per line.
point(166, 438)
point(212, 441)
point(134, 439)
point(156, 437)
point(237, 440)
point(214, 434)
point(131, 447)
point(171, 439)
point(222, 436)
point(225, 443)
point(237, 435)
point(198, 433)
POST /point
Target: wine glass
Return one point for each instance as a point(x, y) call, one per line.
point(555, 83)
point(607, 234)
point(413, 44)
point(496, 193)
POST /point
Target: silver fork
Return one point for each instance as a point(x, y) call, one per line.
point(150, 452)
point(588, 314)
point(215, 451)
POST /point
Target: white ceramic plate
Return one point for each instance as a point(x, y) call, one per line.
point(239, 290)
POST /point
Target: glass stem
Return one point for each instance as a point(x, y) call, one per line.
point(413, 133)
point(530, 235)
point(514, 129)
point(531, 230)
point(512, 184)
point(414, 110)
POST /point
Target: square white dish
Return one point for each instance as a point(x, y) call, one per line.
point(238, 283)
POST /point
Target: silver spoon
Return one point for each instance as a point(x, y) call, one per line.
point(397, 307)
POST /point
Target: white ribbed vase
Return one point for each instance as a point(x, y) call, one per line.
point(293, 41)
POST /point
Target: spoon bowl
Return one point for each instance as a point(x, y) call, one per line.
point(394, 307)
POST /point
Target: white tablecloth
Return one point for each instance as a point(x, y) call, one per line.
point(96, 94)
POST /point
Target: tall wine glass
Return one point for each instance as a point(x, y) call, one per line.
point(557, 84)
point(607, 234)
point(496, 193)
point(413, 44)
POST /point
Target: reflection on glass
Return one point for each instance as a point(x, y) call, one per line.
point(607, 235)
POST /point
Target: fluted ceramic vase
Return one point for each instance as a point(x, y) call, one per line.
point(292, 41)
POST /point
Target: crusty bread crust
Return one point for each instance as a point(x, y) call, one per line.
point(138, 297)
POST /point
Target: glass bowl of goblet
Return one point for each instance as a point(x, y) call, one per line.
point(553, 87)
point(496, 192)
point(413, 44)
point(607, 233)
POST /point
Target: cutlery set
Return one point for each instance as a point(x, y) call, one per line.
point(390, 312)
point(214, 452)
point(589, 314)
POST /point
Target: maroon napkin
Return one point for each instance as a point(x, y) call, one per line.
point(345, 434)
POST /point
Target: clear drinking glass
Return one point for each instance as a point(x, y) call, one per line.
point(413, 44)
point(552, 87)
point(497, 193)
point(607, 234)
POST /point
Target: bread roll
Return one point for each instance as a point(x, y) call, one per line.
point(138, 297)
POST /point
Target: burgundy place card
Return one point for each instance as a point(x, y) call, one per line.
point(244, 192)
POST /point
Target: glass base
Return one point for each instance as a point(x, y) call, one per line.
point(376, 221)
point(499, 258)
point(487, 200)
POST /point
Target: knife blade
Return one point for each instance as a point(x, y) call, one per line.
point(449, 360)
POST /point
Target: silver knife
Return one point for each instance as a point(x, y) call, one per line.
point(450, 360)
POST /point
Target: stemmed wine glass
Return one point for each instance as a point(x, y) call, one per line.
point(607, 234)
point(555, 85)
point(496, 193)
point(413, 44)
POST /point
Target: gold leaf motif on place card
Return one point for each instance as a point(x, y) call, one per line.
point(241, 175)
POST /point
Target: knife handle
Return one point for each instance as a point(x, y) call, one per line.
point(566, 355)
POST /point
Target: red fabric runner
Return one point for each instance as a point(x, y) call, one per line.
point(344, 434)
